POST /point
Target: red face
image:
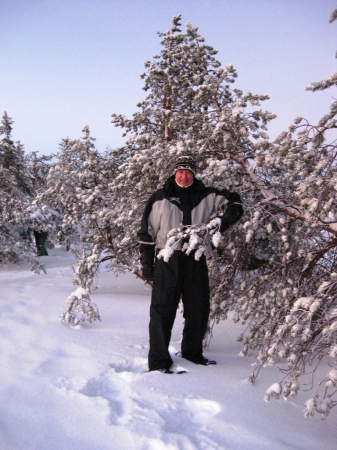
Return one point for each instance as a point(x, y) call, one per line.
point(184, 178)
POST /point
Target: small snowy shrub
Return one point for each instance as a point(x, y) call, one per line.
point(80, 308)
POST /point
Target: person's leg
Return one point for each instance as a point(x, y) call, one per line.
point(43, 247)
point(40, 244)
point(195, 296)
point(164, 303)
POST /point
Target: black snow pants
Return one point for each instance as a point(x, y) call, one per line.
point(182, 276)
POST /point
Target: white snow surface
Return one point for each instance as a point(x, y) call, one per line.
point(88, 388)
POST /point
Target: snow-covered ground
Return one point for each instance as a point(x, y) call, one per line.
point(87, 387)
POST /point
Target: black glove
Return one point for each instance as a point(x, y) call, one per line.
point(232, 214)
point(147, 261)
point(147, 273)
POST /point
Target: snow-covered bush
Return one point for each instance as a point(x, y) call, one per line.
point(80, 308)
point(289, 303)
point(76, 187)
point(19, 215)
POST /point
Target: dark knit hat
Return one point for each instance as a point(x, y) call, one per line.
point(186, 163)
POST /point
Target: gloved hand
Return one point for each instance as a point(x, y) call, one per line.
point(147, 273)
point(232, 214)
point(224, 225)
point(147, 261)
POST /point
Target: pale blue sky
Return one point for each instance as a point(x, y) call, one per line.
point(70, 63)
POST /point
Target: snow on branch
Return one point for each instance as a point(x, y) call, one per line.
point(192, 238)
point(80, 308)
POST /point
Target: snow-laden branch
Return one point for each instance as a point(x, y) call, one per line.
point(291, 211)
point(192, 238)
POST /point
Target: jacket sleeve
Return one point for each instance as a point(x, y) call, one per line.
point(146, 240)
point(233, 212)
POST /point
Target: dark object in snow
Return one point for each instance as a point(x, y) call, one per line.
point(40, 239)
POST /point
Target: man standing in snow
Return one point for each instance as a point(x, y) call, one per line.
point(182, 200)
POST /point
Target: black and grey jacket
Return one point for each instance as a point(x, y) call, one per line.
point(171, 206)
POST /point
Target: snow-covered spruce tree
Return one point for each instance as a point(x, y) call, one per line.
point(76, 187)
point(38, 167)
point(190, 108)
point(61, 182)
point(19, 215)
point(12, 157)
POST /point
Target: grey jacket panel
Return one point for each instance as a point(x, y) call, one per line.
point(164, 217)
point(209, 205)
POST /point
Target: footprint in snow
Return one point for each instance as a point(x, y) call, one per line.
point(190, 415)
point(139, 347)
point(134, 365)
point(113, 386)
point(115, 390)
